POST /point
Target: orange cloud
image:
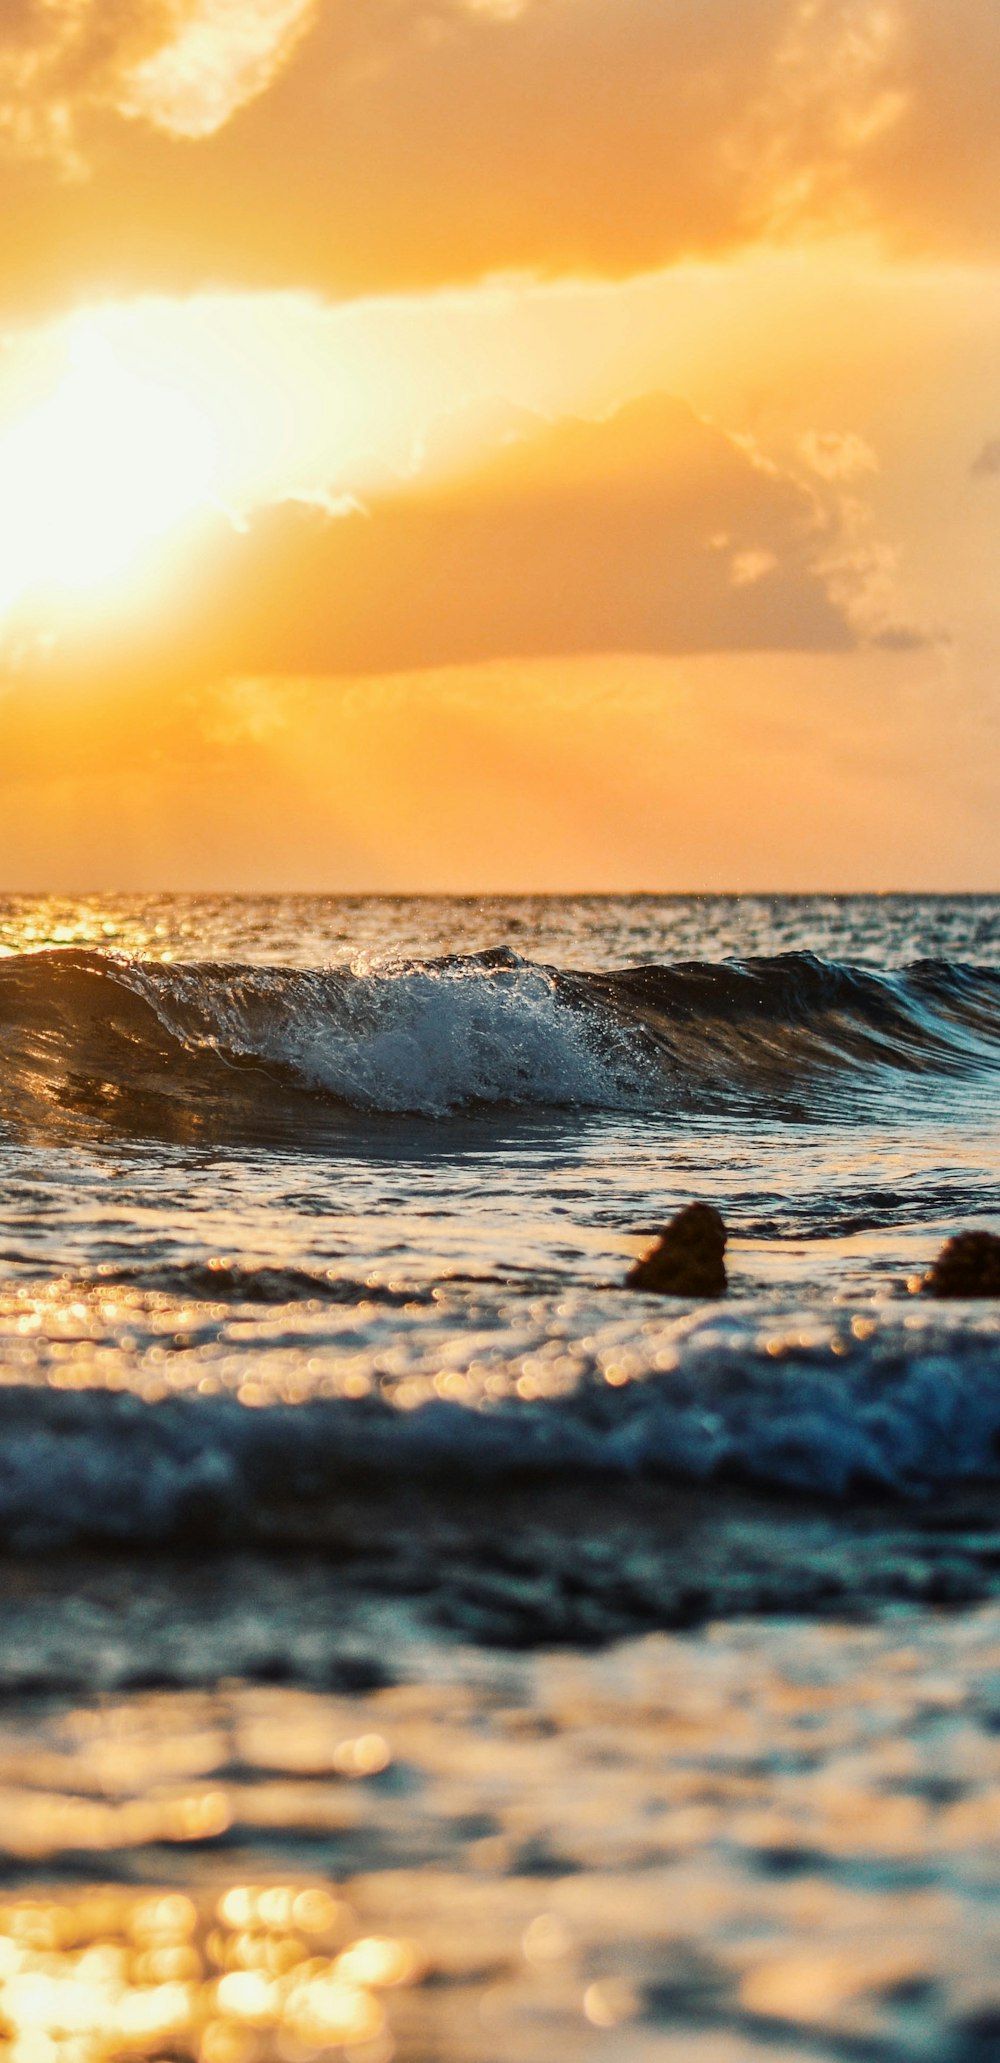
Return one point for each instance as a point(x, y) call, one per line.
point(651, 531)
point(184, 66)
point(834, 89)
point(411, 142)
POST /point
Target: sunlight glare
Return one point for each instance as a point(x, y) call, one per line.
point(103, 468)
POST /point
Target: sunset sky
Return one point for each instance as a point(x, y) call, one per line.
point(491, 444)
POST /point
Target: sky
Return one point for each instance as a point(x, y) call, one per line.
point(499, 444)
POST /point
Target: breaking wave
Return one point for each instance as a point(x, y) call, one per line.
point(146, 1048)
point(899, 1419)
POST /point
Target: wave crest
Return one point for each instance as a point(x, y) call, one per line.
point(143, 1047)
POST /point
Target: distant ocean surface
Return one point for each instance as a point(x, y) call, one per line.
point(297, 1188)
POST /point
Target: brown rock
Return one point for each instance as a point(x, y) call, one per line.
point(687, 1260)
point(967, 1266)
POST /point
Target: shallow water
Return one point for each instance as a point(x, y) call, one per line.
point(326, 1419)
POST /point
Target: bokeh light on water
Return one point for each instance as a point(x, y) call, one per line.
point(263, 1969)
point(756, 1842)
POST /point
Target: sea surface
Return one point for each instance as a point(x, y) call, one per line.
point(414, 1643)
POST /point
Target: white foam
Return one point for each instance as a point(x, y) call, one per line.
point(95, 1464)
point(428, 1040)
point(434, 1041)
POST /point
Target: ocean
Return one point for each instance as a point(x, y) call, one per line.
point(415, 1644)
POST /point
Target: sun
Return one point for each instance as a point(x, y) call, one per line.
point(106, 465)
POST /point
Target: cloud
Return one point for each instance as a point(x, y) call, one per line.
point(861, 570)
point(652, 531)
point(834, 89)
point(183, 66)
point(223, 54)
point(837, 454)
point(986, 464)
point(934, 181)
point(401, 143)
point(408, 143)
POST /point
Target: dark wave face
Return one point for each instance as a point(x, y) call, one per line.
point(211, 1050)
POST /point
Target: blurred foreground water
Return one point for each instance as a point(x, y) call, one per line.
point(763, 1841)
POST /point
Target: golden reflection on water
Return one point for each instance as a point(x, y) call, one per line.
point(114, 1335)
point(673, 1847)
point(265, 1969)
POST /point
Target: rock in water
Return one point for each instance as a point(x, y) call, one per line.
point(687, 1260)
point(967, 1266)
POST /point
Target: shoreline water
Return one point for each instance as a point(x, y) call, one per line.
point(412, 1643)
point(755, 1841)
